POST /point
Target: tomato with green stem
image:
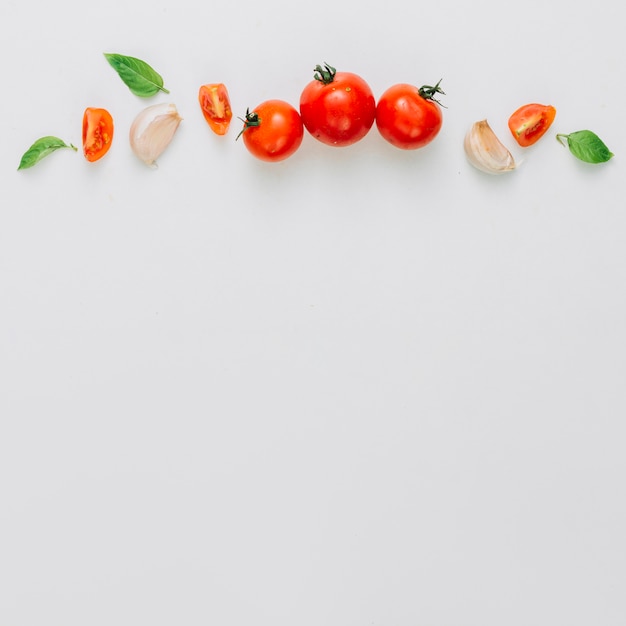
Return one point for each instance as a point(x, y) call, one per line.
point(97, 133)
point(337, 108)
point(273, 131)
point(215, 105)
point(409, 117)
point(530, 123)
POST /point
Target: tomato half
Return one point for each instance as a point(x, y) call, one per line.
point(409, 117)
point(273, 131)
point(530, 122)
point(97, 133)
point(337, 108)
point(215, 106)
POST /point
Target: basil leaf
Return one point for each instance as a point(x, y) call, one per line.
point(140, 78)
point(586, 146)
point(40, 149)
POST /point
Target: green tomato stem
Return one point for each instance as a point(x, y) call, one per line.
point(429, 92)
point(251, 119)
point(324, 74)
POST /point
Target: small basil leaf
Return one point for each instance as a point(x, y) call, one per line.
point(139, 77)
point(587, 146)
point(40, 149)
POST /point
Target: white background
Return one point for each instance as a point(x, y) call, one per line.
point(362, 387)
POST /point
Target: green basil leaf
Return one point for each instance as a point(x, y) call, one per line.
point(40, 149)
point(140, 78)
point(587, 146)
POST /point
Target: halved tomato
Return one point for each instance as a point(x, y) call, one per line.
point(215, 105)
point(97, 133)
point(530, 122)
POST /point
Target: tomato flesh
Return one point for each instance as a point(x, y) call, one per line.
point(406, 119)
point(530, 122)
point(215, 105)
point(97, 133)
point(273, 131)
point(338, 113)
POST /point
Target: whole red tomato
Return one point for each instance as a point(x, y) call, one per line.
point(273, 131)
point(409, 117)
point(530, 122)
point(97, 133)
point(337, 108)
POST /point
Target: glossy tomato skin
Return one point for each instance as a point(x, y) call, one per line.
point(97, 133)
point(407, 119)
point(339, 112)
point(273, 131)
point(531, 122)
point(215, 106)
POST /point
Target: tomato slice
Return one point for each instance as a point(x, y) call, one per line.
point(215, 105)
point(97, 133)
point(530, 122)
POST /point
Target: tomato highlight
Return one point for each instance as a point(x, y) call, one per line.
point(97, 133)
point(531, 122)
point(409, 117)
point(337, 108)
point(273, 131)
point(215, 105)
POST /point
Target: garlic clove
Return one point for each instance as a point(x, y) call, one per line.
point(485, 151)
point(152, 131)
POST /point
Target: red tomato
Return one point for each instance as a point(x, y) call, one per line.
point(530, 122)
point(97, 133)
point(215, 105)
point(409, 117)
point(337, 108)
point(273, 131)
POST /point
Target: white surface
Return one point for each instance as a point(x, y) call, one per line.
point(361, 387)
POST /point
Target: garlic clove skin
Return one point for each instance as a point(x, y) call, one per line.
point(485, 151)
point(152, 131)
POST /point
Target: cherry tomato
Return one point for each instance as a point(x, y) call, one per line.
point(337, 108)
point(273, 131)
point(215, 105)
point(409, 117)
point(97, 133)
point(530, 122)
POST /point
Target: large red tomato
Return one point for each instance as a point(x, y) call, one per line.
point(409, 117)
point(337, 108)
